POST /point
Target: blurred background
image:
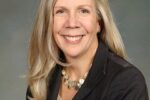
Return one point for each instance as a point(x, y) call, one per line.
point(16, 20)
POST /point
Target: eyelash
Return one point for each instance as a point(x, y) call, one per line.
point(59, 11)
point(84, 11)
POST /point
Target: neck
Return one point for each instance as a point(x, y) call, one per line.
point(81, 65)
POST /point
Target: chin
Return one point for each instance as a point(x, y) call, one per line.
point(74, 54)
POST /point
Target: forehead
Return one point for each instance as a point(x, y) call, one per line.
point(74, 3)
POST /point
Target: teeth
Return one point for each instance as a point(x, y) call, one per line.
point(73, 38)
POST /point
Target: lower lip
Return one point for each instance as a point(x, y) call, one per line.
point(73, 39)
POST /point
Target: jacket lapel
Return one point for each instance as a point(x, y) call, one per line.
point(54, 84)
point(96, 73)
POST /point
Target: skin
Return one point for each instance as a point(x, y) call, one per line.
point(75, 30)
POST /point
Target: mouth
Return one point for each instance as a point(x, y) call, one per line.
point(73, 39)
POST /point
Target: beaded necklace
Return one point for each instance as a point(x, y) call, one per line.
point(75, 84)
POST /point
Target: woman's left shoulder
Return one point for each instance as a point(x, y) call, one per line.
point(128, 81)
point(123, 66)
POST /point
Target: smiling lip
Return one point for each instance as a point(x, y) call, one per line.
point(73, 39)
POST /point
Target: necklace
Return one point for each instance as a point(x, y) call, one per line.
point(75, 84)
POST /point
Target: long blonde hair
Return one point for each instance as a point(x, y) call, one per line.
point(44, 53)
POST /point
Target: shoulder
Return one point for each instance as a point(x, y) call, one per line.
point(120, 65)
point(123, 69)
point(127, 81)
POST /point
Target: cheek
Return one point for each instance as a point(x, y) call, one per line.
point(57, 39)
point(56, 28)
point(91, 25)
point(57, 25)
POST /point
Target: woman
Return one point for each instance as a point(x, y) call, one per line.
point(76, 53)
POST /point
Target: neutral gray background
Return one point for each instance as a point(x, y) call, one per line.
point(16, 20)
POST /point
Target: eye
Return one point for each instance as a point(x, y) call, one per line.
point(84, 11)
point(59, 11)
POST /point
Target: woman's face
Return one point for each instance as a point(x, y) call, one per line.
point(75, 26)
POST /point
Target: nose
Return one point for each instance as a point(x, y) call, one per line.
point(72, 21)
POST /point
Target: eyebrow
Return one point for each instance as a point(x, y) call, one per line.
point(62, 7)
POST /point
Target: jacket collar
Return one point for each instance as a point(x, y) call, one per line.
point(96, 73)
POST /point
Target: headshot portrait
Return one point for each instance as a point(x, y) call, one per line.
point(76, 52)
point(75, 49)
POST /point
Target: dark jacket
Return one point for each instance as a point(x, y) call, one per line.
point(110, 78)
